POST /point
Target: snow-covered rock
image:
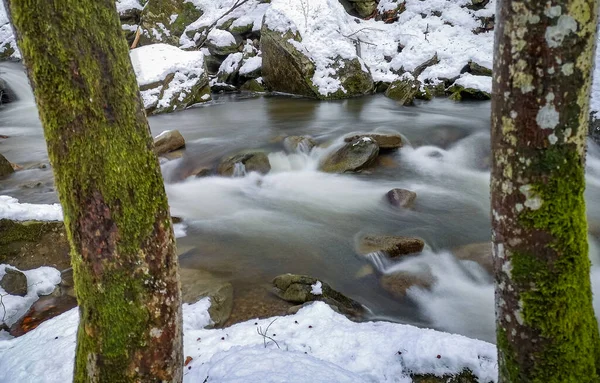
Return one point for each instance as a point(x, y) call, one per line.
point(306, 52)
point(170, 78)
point(165, 21)
point(8, 45)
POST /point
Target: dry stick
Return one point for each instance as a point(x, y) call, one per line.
point(138, 32)
point(265, 336)
point(237, 4)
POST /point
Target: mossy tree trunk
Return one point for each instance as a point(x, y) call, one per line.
point(546, 327)
point(111, 189)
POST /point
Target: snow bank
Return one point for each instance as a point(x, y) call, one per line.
point(11, 208)
point(152, 63)
point(40, 281)
point(314, 345)
point(467, 80)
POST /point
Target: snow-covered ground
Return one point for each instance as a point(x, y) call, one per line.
point(315, 345)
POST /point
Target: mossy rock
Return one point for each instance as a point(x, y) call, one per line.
point(364, 8)
point(479, 70)
point(405, 90)
point(352, 157)
point(159, 12)
point(299, 289)
point(466, 376)
point(31, 244)
point(253, 85)
point(391, 245)
point(459, 93)
point(5, 167)
point(241, 29)
point(385, 141)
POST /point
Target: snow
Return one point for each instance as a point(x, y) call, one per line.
point(40, 281)
point(126, 5)
point(251, 65)
point(317, 288)
point(7, 39)
point(11, 208)
point(220, 38)
point(152, 63)
point(467, 80)
point(231, 63)
point(332, 349)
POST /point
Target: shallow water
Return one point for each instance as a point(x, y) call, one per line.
point(295, 219)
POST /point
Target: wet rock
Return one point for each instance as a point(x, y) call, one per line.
point(256, 302)
point(242, 163)
point(67, 283)
point(253, 85)
point(460, 93)
point(398, 283)
point(14, 282)
point(43, 309)
point(287, 69)
point(393, 246)
point(5, 167)
point(31, 244)
point(480, 253)
point(197, 284)
point(168, 141)
point(352, 157)
point(385, 141)
point(303, 144)
point(466, 376)
point(401, 197)
point(406, 89)
point(301, 288)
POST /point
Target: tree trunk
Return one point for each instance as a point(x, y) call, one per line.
point(111, 189)
point(544, 51)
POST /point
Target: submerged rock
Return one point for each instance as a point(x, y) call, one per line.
point(14, 282)
point(301, 288)
point(401, 197)
point(168, 141)
point(397, 284)
point(242, 163)
point(5, 167)
point(480, 253)
point(393, 246)
point(352, 157)
point(302, 144)
point(385, 141)
point(43, 309)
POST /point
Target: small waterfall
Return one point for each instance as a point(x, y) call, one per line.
point(380, 261)
point(239, 169)
point(16, 80)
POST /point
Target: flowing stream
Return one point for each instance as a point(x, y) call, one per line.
point(250, 228)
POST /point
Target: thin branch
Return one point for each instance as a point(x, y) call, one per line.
point(265, 336)
point(235, 6)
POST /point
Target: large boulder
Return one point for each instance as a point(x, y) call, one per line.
point(294, 61)
point(242, 163)
point(14, 282)
point(353, 156)
point(392, 246)
point(170, 78)
point(5, 167)
point(168, 141)
point(301, 289)
point(165, 21)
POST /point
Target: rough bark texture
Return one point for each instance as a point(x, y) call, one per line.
point(546, 326)
point(110, 187)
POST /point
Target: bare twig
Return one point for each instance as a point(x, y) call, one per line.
point(265, 336)
point(305, 11)
point(138, 32)
point(3, 307)
point(363, 29)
